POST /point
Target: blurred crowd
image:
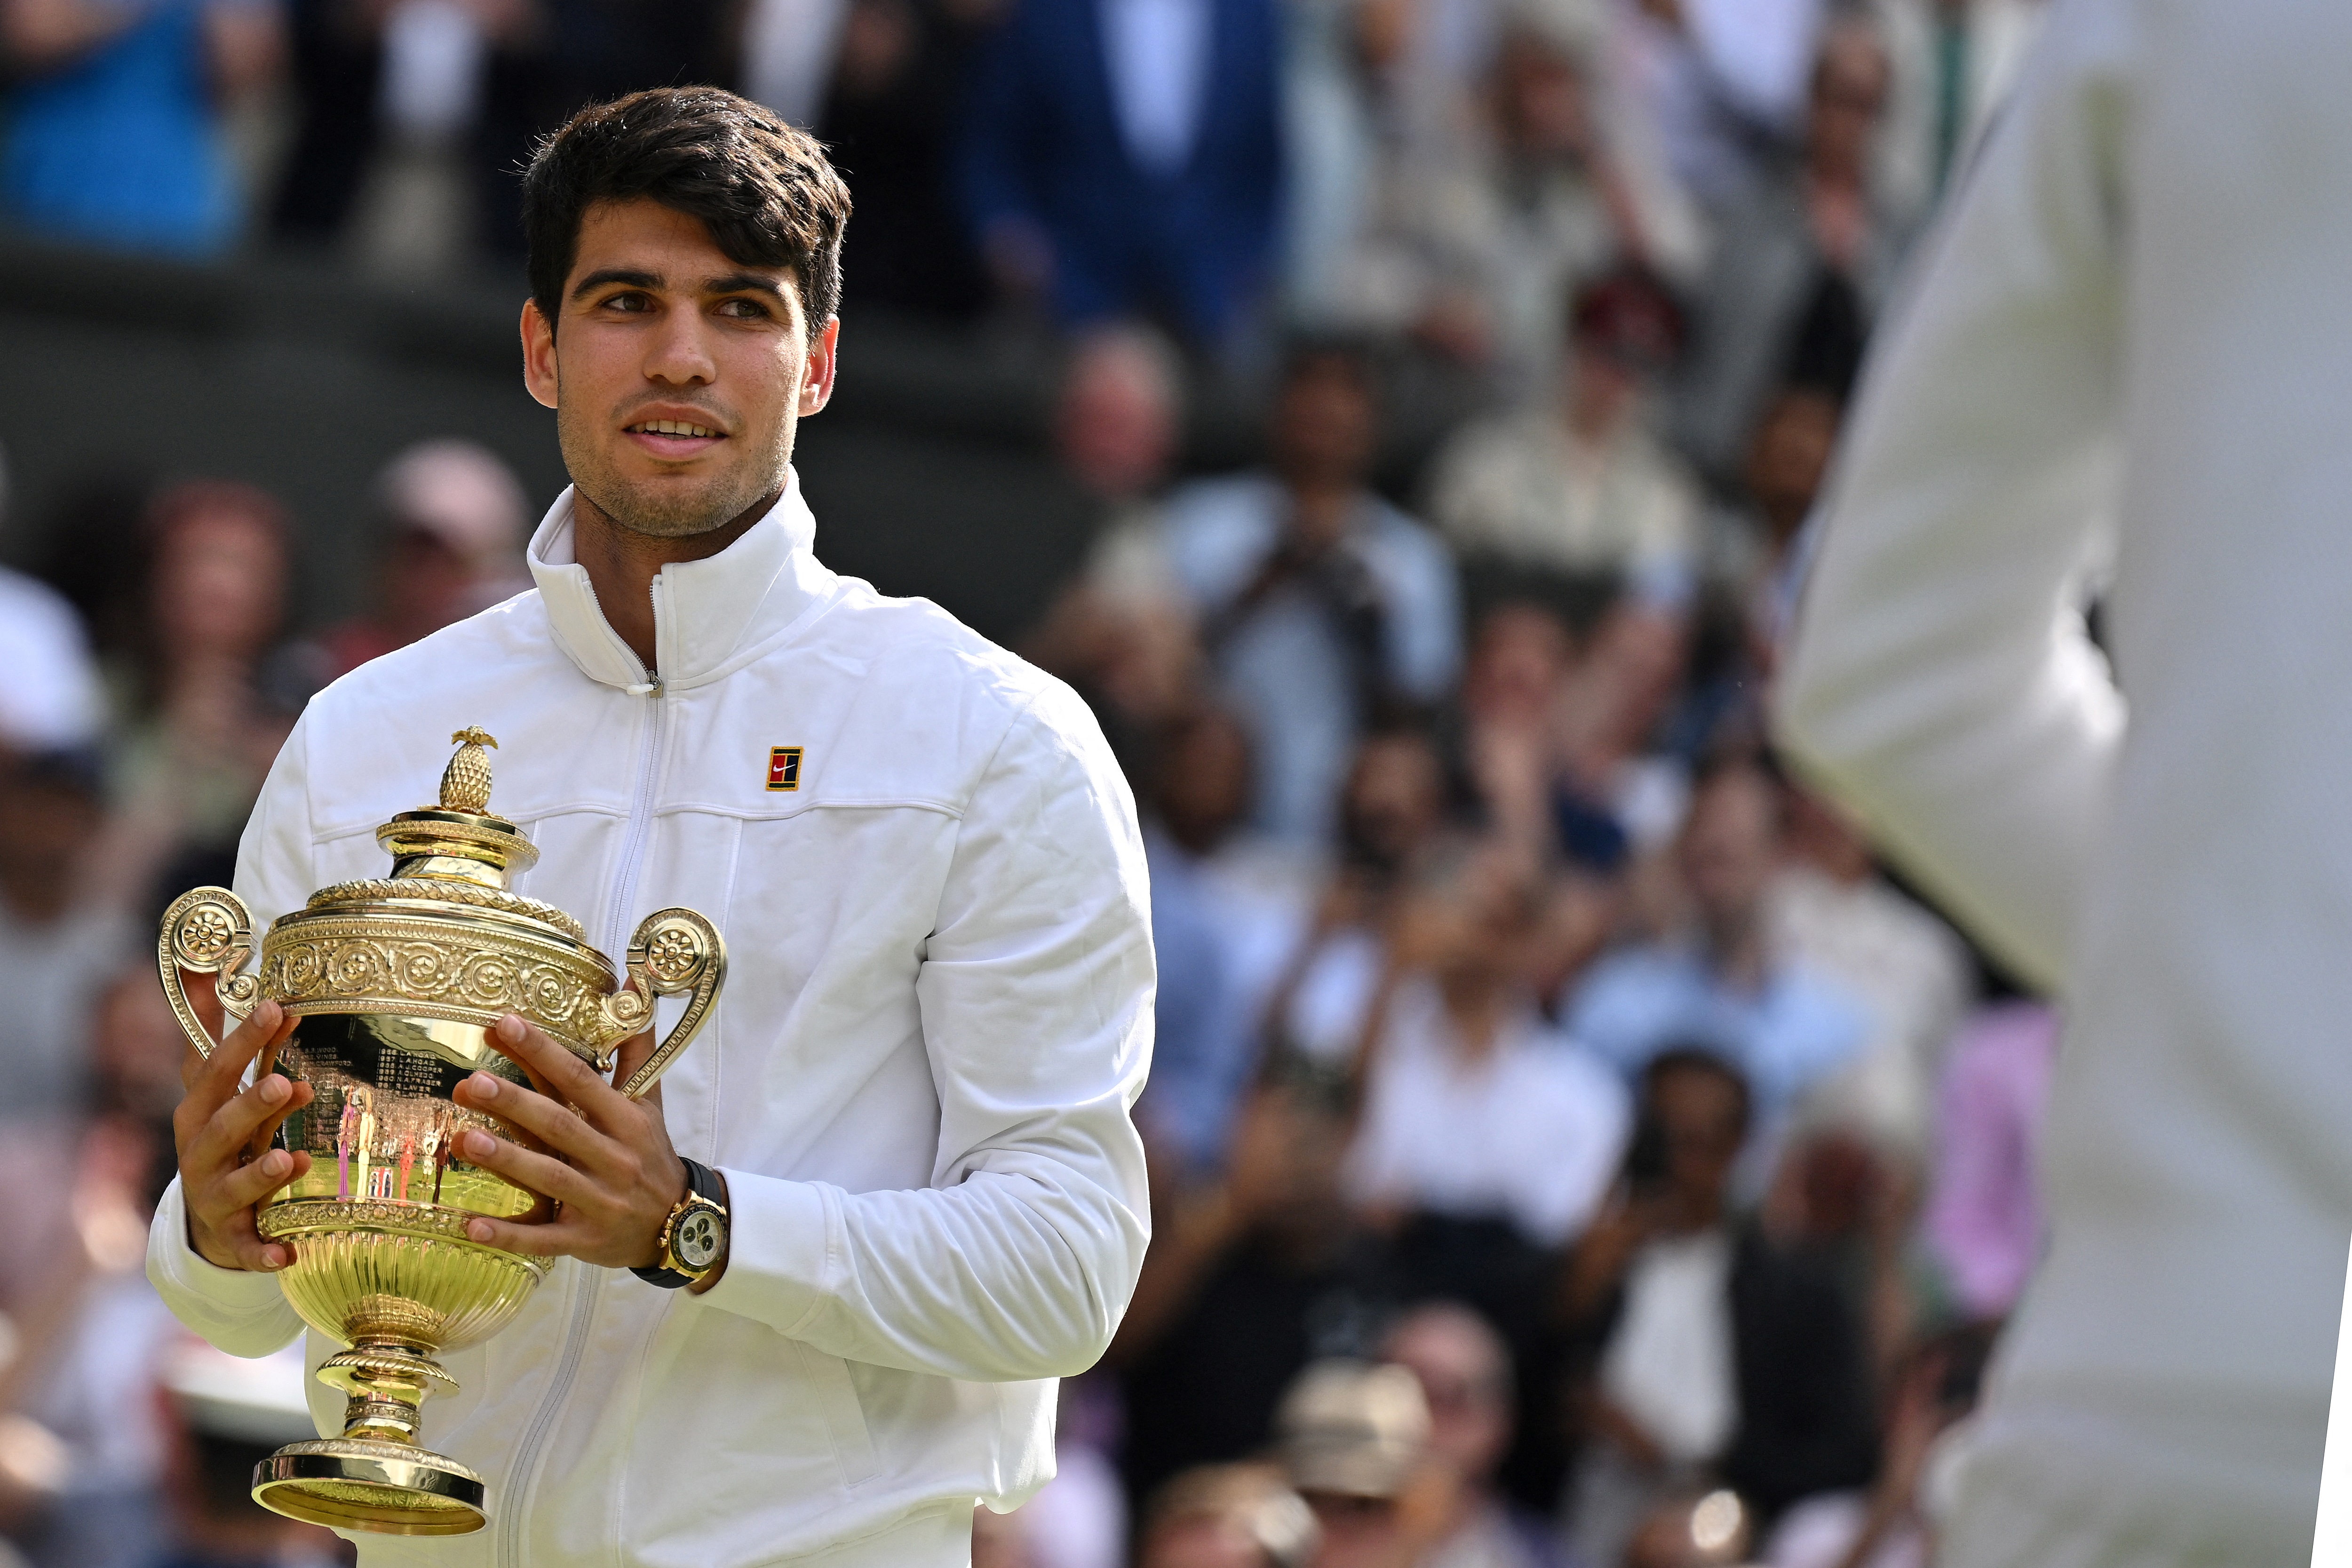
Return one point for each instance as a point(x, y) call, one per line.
point(1571, 1148)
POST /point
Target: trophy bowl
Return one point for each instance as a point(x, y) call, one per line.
point(394, 984)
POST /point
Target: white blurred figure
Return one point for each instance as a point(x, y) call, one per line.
point(52, 700)
point(788, 50)
point(2132, 332)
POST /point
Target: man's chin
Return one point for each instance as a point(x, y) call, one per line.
point(673, 510)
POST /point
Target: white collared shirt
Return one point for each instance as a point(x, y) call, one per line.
point(937, 1015)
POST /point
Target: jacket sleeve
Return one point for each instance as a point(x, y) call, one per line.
point(242, 1313)
point(1940, 681)
point(1037, 1001)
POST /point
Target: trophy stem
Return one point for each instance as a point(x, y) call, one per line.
point(375, 1476)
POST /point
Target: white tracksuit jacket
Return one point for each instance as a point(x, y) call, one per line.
point(2134, 333)
point(937, 1016)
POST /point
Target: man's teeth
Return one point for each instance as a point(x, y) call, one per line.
point(673, 428)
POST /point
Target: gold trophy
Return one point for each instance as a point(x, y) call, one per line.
point(396, 983)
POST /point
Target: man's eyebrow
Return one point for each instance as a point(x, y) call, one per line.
point(744, 283)
point(632, 277)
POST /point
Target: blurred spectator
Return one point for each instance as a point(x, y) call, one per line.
point(1355, 1442)
point(1728, 983)
point(1474, 1110)
point(451, 516)
point(1704, 1530)
point(890, 122)
point(1718, 1353)
point(59, 937)
point(1391, 814)
point(1465, 1372)
point(1983, 1224)
point(1723, 80)
point(1613, 778)
point(1203, 1054)
point(1249, 1277)
point(1487, 1138)
point(389, 101)
point(1226, 1516)
point(1580, 488)
point(84, 1380)
point(791, 48)
point(1121, 632)
point(336, 58)
point(1476, 241)
point(1320, 606)
point(1893, 1524)
point(1801, 262)
point(1788, 457)
point(1954, 62)
point(1119, 415)
point(548, 58)
point(1123, 159)
point(1834, 914)
point(53, 702)
point(1520, 659)
point(63, 931)
point(203, 708)
point(114, 127)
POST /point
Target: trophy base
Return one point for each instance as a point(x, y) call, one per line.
point(361, 1483)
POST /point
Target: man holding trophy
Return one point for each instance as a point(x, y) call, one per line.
point(803, 1301)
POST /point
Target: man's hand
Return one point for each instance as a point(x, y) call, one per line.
point(215, 1126)
point(617, 1177)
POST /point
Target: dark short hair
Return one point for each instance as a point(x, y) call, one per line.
point(764, 189)
point(1705, 1059)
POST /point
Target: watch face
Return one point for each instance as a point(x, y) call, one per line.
point(698, 1239)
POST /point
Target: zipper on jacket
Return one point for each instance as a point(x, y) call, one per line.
point(592, 1281)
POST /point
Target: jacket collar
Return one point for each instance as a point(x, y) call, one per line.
point(705, 612)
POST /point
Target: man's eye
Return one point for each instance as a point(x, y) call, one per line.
point(749, 309)
point(633, 303)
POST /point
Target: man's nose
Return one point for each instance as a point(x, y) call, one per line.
point(680, 354)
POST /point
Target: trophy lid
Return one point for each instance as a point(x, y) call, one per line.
point(458, 839)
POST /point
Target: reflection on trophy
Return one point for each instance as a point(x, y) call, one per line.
point(395, 983)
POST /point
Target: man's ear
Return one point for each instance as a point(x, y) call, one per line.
point(816, 375)
point(539, 354)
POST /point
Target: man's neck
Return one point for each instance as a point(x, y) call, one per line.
point(622, 563)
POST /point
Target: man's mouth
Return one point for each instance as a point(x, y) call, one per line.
point(673, 428)
point(673, 440)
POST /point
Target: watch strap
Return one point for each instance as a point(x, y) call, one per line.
point(700, 1181)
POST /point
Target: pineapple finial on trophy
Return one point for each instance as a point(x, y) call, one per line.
point(465, 782)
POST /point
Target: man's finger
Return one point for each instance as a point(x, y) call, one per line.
point(636, 1051)
point(555, 1240)
point(559, 1074)
point(248, 1185)
point(535, 1172)
point(230, 1241)
point(233, 1127)
point(211, 1080)
point(558, 1126)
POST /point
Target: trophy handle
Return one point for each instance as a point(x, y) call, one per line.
point(209, 931)
point(674, 952)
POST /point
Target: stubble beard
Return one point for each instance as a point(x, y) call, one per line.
point(670, 511)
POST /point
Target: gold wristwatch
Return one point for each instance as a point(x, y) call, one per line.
point(694, 1236)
